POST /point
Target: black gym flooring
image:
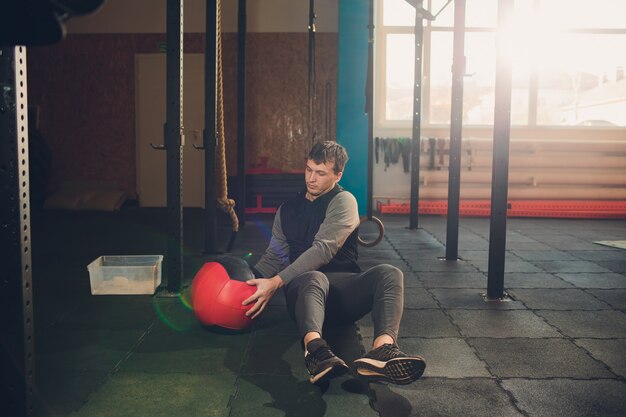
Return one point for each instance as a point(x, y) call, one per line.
point(556, 349)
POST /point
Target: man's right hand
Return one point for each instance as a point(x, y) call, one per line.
point(266, 287)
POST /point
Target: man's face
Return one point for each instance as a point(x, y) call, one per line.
point(320, 178)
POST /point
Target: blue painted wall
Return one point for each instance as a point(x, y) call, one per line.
point(352, 74)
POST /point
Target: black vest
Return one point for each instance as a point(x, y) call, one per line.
point(301, 219)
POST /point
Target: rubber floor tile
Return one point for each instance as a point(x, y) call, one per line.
point(278, 396)
point(558, 299)
point(61, 392)
point(595, 280)
point(472, 397)
point(542, 255)
point(600, 324)
point(570, 266)
point(466, 298)
point(196, 351)
point(446, 357)
point(418, 298)
point(276, 355)
point(615, 298)
point(609, 351)
point(534, 280)
point(538, 358)
point(453, 279)
point(163, 394)
point(426, 323)
point(501, 323)
point(569, 398)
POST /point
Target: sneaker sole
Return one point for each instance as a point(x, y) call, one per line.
point(336, 370)
point(400, 371)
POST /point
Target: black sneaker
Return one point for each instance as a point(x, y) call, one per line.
point(387, 363)
point(322, 363)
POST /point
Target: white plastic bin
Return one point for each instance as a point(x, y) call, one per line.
point(125, 275)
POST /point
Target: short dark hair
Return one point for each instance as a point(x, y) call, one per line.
point(329, 151)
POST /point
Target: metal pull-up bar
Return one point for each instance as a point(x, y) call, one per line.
point(500, 170)
point(17, 384)
point(417, 111)
point(456, 132)
point(209, 137)
point(420, 15)
point(174, 142)
point(242, 20)
point(369, 110)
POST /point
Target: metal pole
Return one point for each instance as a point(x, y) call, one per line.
point(417, 114)
point(456, 133)
point(17, 361)
point(174, 142)
point(500, 170)
point(241, 112)
point(312, 72)
point(210, 141)
point(369, 109)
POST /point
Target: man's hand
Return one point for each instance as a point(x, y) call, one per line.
point(265, 289)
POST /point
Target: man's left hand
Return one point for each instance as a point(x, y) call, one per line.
point(265, 289)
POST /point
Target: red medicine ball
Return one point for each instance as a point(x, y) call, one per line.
point(216, 299)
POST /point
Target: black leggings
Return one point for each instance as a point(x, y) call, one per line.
point(316, 298)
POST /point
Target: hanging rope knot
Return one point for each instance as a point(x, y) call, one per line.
point(226, 204)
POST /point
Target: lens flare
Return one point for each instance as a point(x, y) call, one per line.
point(264, 228)
point(185, 302)
point(174, 314)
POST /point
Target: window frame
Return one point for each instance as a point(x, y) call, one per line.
point(383, 126)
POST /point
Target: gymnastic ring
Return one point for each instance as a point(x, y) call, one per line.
point(381, 232)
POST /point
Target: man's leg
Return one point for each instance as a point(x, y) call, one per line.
point(381, 290)
point(378, 290)
point(306, 300)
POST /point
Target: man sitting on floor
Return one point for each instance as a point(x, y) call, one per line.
point(312, 255)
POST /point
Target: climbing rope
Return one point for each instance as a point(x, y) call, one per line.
point(225, 204)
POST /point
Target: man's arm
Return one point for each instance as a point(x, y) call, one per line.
point(276, 256)
point(342, 217)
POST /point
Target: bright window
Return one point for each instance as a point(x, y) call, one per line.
point(568, 59)
point(399, 76)
point(583, 85)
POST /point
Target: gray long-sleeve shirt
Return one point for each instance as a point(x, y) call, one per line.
point(342, 217)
